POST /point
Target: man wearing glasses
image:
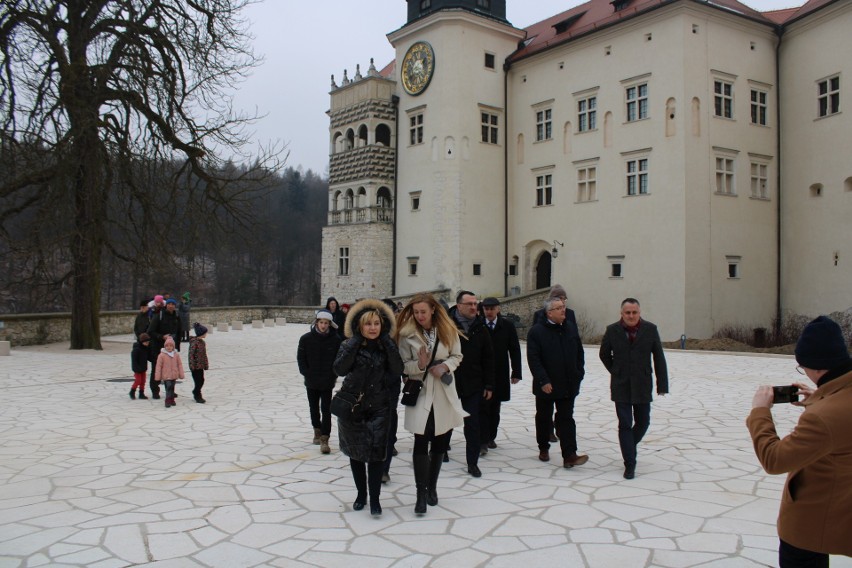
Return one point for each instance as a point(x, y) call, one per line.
point(557, 362)
point(475, 375)
point(816, 507)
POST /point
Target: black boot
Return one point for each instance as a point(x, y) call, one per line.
point(359, 474)
point(435, 461)
point(133, 394)
point(421, 479)
point(374, 481)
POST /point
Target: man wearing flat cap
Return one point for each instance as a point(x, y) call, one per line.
point(816, 506)
point(507, 370)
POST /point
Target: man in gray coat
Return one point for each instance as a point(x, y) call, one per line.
point(626, 351)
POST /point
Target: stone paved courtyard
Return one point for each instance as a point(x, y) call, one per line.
point(92, 478)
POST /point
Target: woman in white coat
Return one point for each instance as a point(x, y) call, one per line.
point(422, 324)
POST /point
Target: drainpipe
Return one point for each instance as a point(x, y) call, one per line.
point(395, 102)
point(506, 66)
point(779, 31)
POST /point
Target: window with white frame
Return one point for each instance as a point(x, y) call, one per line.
point(829, 95)
point(616, 266)
point(587, 114)
point(543, 125)
point(490, 130)
point(544, 190)
point(758, 107)
point(725, 175)
point(412, 265)
point(759, 179)
point(723, 98)
point(733, 266)
point(587, 180)
point(637, 176)
point(637, 102)
point(415, 128)
point(343, 261)
point(415, 200)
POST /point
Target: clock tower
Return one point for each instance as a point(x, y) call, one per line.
point(451, 182)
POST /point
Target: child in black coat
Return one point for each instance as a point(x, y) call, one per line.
point(139, 364)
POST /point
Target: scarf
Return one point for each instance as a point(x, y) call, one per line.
point(465, 322)
point(631, 331)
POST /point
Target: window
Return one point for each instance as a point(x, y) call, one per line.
point(415, 201)
point(725, 175)
point(513, 267)
point(343, 261)
point(587, 183)
point(758, 107)
point(587, 114)
point(759, 176)
point(544, 190)
point(543, 125)
point(489, 61)
point(637, 102)
point(733, 266)
point(412, 265)
point(723, 98)
point(616, 266)
point(637, 176)
point(416, 128)
point(477, 269)
point(829, 96)
point(483, 4)
point(490, 131)
point(425, 4)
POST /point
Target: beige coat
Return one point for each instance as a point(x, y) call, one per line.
point(435, 394)
point(816, 506)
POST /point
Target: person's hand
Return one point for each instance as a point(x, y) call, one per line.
point(547, 389)
point(762, 397)
point(487, 395)
point(805, 391)
point(515, 380)
point(423, 358)
point(438, 370)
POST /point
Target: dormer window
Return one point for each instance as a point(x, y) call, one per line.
point(425, 5)
point(562, 27)
point(619, 5)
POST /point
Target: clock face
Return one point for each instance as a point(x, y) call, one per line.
point(417, 68)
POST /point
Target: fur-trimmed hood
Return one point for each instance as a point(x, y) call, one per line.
point(353, 318)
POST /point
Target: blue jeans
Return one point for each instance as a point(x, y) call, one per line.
point(633, 422)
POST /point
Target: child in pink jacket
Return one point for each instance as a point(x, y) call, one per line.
point(169, 369)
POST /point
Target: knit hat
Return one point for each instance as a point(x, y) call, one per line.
point(324, 315)
point(171, 301)
point(199, 329)
point(169, 339)
point(143, 302)
point(821, 345)
point(158, 299)
point(185, 296)
point(557, 291)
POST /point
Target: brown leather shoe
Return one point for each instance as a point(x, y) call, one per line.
point(544, 456)
point(573, 460)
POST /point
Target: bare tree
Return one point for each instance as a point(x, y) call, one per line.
point(92, 91)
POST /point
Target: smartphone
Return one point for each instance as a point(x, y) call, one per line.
point(785, 394)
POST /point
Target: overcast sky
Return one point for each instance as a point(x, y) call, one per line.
point(304, 43)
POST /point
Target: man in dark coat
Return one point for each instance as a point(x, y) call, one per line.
point(475, 376)
point(163, 324)
point(315, 355)
point(142, 321)
point(557, 362)
point(507, 349)
point(627, 348)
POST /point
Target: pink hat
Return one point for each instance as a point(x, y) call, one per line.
point(168, 340)
point(158, 299)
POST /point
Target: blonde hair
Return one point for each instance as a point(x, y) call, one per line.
point(444, 327)
point(369, 315)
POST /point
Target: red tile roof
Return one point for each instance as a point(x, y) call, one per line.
point(597, 14)
point(780, 16)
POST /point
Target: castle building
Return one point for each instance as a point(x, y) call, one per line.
point(689, 153)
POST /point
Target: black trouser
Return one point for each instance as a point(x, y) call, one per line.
point(198, 380)
point(440, 442)
point(152, 381)
point(564, 424)
point(394, 424)
point(470, 403)
point(790, 556)
point(489, 419)
point(319, 402)
point(367, 474)
point(633, 422)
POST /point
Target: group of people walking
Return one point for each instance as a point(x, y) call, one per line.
point(161, 325)
point(465, 359)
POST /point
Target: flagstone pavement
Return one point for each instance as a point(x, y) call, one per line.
point(91, 478)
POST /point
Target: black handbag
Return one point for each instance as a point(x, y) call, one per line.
point(412, 388)
point(346, 405)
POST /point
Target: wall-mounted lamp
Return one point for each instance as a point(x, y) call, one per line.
point(554, 252)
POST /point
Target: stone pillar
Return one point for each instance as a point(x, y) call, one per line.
point(280, 321)
point(257, 324)
point(269, 322)
point(5, 348)
point(222, 327)
point(237, 325)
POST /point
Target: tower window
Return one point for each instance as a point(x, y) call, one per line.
point(489, 60)
point(343, 261)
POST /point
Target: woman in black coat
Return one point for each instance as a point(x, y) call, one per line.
point(370, 363)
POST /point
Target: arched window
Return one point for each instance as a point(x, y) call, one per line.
point(362, 198)
point(383, 135)
point(337, 143)
point(350, 139)
point(383, 198)
point(349, 200)
point(362, 136)
point(335, 204)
